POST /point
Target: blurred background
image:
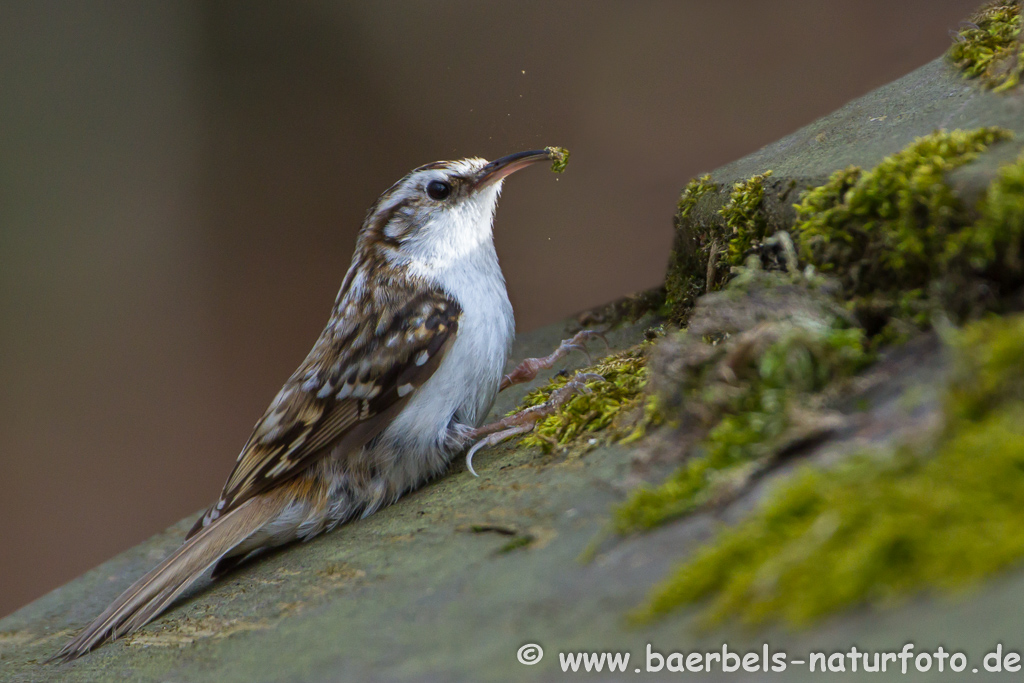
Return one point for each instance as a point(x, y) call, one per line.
point(182, 183)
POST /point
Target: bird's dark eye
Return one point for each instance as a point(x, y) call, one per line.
point(438, 189)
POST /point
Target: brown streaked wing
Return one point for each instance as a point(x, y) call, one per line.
point(300, 426)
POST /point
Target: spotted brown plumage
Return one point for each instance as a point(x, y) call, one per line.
point(341, 391)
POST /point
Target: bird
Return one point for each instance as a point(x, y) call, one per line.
point(399, 382)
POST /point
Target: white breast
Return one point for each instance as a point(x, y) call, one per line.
point(462, 390)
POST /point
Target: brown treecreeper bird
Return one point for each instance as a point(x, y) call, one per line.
point(398, 383)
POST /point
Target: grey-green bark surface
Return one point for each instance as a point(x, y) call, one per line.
point(862, 133)
point(421, 592)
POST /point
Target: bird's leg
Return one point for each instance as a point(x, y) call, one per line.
point(528, 369)
point(525, 420)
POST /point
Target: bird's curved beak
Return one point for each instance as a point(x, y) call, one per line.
point(499, 168)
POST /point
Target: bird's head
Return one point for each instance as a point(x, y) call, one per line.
point(442, 210)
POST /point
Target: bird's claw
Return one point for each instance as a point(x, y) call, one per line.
point(493, 440)
point(527, 370)
point(580, 348)
point(525, 420)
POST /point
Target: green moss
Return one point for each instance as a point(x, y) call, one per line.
point(900, 241)
point(695, 189)
point(734, 442)
point(704, 251)
point(745, 222)
point(993, 245)
point(516, 543)
point(752, 416)
point(615, 402)
point(559, 158)
point(897, 237)
point(685, 279)
point(990, 368)
point(653, 414)
point(990, 49)
point(881, 526)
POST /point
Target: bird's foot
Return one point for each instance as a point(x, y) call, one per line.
point(528, 369)
point(525, 420)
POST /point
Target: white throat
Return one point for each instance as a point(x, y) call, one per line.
point(455, 235)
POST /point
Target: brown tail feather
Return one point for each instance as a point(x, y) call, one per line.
point(145, 599)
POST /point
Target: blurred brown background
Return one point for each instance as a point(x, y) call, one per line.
point(182, 183)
